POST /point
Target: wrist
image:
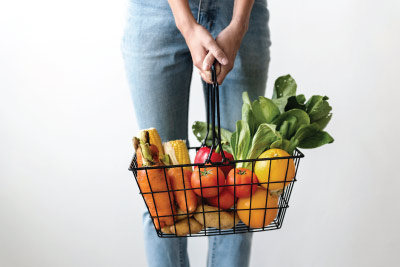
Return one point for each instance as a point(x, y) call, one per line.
point(186, 24)
point(240, 25)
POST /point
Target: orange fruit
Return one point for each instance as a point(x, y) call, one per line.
point(275, 169)
point(256, 214)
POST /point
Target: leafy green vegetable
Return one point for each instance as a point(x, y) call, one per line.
point(318, 107)
point(266, 134)
point(324, 121)
point(243, 138)
point(295, 117)
point(296, 102)
point(248, 116)
point(286, 121)
point(199, 129)
point(310, 136)
point(282, 144)
point(284, 86)
point(264, 110)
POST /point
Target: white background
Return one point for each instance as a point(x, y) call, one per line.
point(67, 198)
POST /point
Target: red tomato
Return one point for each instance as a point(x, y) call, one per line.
point(228, 157)
point(226, 200)
point(209, 181)
point(203, 153)
point(242, 187)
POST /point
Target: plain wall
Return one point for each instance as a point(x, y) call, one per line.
point(67, 198)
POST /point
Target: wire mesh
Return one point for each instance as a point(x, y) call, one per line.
point(203, 215)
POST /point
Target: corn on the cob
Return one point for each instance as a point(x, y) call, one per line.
point(177, 152)
point(155, 140)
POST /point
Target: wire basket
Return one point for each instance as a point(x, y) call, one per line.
point(238, 226)
point(217, 221)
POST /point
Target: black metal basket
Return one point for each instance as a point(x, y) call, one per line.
point(238, 226)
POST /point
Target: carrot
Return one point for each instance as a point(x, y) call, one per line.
point(178, 183)
point(154, 183)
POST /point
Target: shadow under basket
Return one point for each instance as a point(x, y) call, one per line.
point(238, 226)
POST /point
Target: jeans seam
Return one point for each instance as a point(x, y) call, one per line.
point(213, 251)
point(180, 252)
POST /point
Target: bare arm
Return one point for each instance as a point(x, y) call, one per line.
point(230, 39)
point(198, 39)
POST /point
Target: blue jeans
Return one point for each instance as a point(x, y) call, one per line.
point(159, 69)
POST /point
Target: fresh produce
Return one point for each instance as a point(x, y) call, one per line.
point(202, 155)
point(205, 181)
point(181, 184)
point(182, 227)
point(226, 200)
point(286, 121)
point(154, 139)
point(278, 171)
point(215, 217)
point(177, 152)
point(258, 209)
point(147, 155)
point(181, 215)
point(243, 182)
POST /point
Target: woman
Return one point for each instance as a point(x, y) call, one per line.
point(162, 42)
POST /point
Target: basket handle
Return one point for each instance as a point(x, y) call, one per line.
point(212, 111)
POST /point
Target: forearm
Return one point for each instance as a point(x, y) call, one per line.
point(184, 19)
point(241, 14)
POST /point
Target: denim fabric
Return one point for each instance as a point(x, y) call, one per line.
point(159, 69)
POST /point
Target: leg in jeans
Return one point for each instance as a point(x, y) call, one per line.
point(249, 74)
point(159, 68)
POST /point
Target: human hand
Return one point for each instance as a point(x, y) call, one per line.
point(201, 43)
point(229, 40)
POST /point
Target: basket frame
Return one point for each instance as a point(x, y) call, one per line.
point(240, 227)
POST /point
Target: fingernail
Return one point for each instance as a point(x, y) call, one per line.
point(206, 66)
point(224, 61)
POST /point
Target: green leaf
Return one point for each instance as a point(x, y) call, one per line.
point(248, 116)
point(266, 134)
point(318, 107)
point(282, 144)
point(301, 118)
point(284, 86)
point(280, 103)
point(234, 144)
point(318, 139)
point(324, 121)
point(245, 98)
point(264, 110)
point(199, 129)
point(295, 102)
point(243, 139)
point(311, 136)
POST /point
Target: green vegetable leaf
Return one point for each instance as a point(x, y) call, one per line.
point(245, 98)
point(282, 144)
point(266, 134)
point(324, 121)
point(264, 110)
point(248, 116)
point(301, 118)
point(243, 139)
point(234, 144)
point(310, 136)
point(318, 107)
point(284, 86)
point(199, 129)
point(295, 102)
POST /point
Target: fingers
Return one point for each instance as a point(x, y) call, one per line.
point(208, 61)
point(216, 51)
point(206, 75)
